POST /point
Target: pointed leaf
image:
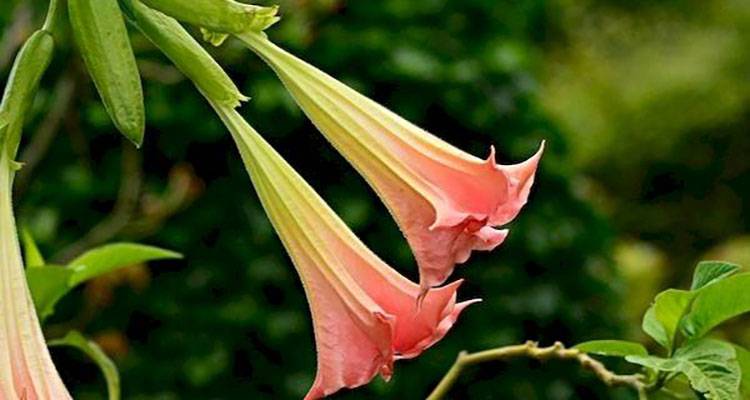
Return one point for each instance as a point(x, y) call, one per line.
point(615, 348)
point(708, 272)
point(48, 284)
point(108, 258)
point(711, 366)
point(32, 256)
point(717, 303)
point(93, 351)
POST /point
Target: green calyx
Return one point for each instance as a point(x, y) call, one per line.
point(226, 16)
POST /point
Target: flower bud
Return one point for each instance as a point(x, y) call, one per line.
point(185, 52)
point(102, 38)
point(31, 62)
point(219, 15)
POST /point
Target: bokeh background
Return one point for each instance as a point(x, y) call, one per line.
point(645, 106)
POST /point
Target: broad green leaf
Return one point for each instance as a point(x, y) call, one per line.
point(663, 318)
point(108, 258)
point(708, 272)
point(48, 284)
point(615, 348)
point(711, 366)
point(717, 303)
point(743, 358)
point(654, 328)
point(93, 351)
point(32, 256)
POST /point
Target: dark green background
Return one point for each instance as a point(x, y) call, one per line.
point(645, 107)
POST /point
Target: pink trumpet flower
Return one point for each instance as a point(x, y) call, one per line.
point(447, 202)
point(26, 369)
point(365, 314)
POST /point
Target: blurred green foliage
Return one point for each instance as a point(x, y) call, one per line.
point(643, 105)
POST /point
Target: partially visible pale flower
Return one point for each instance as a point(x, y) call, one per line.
point(26, 369)
point(447, 202)
point(365, 314)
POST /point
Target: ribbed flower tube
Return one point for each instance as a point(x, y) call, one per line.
point(26, 369)
point(447, 203)
point(365, 314)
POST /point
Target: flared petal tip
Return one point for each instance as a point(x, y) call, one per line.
point(447, 311)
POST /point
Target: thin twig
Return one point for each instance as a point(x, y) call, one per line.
point(532, 350)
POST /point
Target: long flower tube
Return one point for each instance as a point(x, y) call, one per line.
point(365, 314)
point(26, 369)
point(447, 202)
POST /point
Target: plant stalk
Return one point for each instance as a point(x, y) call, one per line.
point(532, 350)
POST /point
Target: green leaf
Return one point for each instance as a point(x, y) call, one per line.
point(662, 320)
point(743, 358)
point(32, 256)
point(653, 327)
point(717, 303)
point(615, 348)
point(108, 258)
point(48, 284)
point(710, 365)
point(708, 272)
point(93, 351)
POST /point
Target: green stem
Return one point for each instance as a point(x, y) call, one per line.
point(532, 350)
point(54, 14)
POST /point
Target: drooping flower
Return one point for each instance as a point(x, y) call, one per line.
point(26, 369)
point(365, 314)
point(447, 202)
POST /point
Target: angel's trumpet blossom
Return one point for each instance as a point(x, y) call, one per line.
point(26, 369)
point(447, 202)
point(365, 314)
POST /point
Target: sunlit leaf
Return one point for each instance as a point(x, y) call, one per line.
point(717, 303)
point(107, 258)
point(743, 358)
point(710, 365)
point(708, 272)
point(662, 320)
point(93, 351)
point(48, 284)
point(654, 328)
point(616, 348)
